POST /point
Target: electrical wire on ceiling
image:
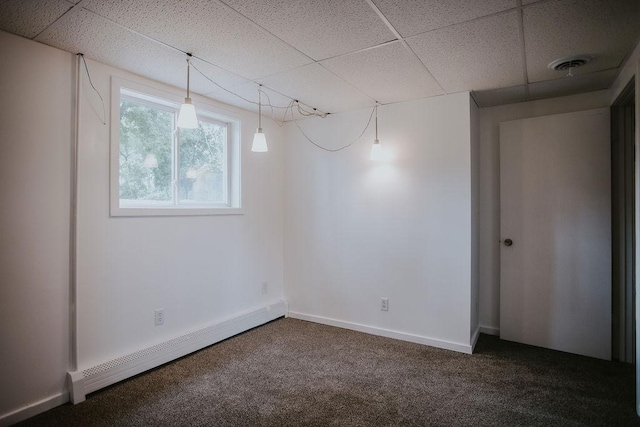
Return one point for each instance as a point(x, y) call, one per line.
point(333, 150)
point(227, 90)
point(314, 113)
point(300, 107)
point(103, 119)
point(294, 104)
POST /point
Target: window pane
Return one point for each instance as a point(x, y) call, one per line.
point(145, 154)
point(203, 164)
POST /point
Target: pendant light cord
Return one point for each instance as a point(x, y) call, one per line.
point(376, 108)
point(188, 68)
point(334, 150)
point(295, 104)
point(259, 108)
point(288, 110)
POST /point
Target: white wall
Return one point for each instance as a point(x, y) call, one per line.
point(489, 252)
point(357, 231)
point(199, 269)
point(36, 84)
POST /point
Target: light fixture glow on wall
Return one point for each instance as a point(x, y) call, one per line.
point(377, 153)
point(259, 140)
point(187, 118)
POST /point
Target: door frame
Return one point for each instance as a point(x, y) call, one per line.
point(623, 225)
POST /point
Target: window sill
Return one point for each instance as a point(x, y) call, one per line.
point(173, 211)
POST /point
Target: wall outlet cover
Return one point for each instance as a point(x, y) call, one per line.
point(159, 316)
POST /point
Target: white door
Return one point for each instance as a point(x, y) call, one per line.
point(555, 208)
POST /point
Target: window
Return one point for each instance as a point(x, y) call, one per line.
point(160, 169)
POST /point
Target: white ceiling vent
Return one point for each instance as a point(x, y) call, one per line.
point(569, 62)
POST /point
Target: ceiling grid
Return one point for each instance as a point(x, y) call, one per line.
point(338, 55)
point(402, 40)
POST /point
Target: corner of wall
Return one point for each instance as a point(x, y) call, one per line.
point(630, 68)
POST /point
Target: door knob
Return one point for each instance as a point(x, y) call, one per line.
point(508, 242)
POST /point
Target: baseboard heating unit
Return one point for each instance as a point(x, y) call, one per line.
point(96, 377)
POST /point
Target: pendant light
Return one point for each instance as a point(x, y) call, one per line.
point(377, 153)
point(187, 118)
point(259, 140)
point(150, 162)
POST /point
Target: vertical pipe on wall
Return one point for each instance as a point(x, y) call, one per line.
point(73, 223)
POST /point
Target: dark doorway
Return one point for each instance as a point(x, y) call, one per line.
point(623, 224)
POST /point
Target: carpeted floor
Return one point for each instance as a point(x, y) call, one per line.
point(295, 373)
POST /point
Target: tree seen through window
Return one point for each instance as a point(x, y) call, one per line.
point(149, 154)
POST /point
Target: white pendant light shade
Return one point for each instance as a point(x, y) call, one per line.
point(377, 153)
point(187, 118)
point(151, 161)
point(259, 142)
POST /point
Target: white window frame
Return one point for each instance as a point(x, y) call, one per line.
point(171, 101)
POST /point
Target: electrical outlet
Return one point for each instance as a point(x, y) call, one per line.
point(384, 306)
point(265, 287)
point(159, 316)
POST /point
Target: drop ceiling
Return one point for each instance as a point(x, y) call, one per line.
point(339, 55)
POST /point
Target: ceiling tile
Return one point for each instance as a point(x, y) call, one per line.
point(389, 73)
point(320, 29)
point(315, 86)
point(502, 96)
point(476, 55)
point(29, 18)
point(417, 16)
point(608, 30)
point(572, 85)
point(107, 42)
point(208, 29)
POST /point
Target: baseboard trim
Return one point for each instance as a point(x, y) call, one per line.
point(418, 339)
point(105, 374)
point(489, 330)
point(34, 409)
point(474, 338)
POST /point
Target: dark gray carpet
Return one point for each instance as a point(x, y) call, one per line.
point(294, 373)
